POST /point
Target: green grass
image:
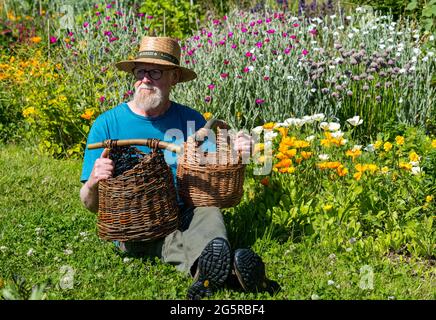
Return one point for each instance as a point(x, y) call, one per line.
point(41, 210)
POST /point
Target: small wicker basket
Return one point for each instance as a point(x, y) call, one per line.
point(140, 203)
point(207, 179)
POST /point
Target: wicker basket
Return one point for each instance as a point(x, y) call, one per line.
point(140, 203)
point(210, 179)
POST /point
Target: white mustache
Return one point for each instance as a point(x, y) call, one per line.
point(144, 86)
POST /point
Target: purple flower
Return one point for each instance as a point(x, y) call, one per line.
point(270, 31)
point(305, 52)
point(102, 99)
point(230, 35)
point(259, 44)
point(260, 101)
point(85, 24)
point(109, 6)
point(53, 39)
point(208, 99)
point(287, 50)
point(211, 86)
point(243, 29)
point(150, 17)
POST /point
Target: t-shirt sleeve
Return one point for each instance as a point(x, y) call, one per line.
point(98, 133)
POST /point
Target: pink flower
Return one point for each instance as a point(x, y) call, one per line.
point(53, 39)
point(109, 6)
point(107, 18)
point(259, 44)
point(287, 50)
point(215, 22)
point(270, 31)
point(222, 42)
point(209, 34)
point(150, 17)
point(98, 13)
point(293, 36)
point(253, 58)
point(230, 34)
point(266, 78)
point(268, 20)
point(259, 21)
point(243, 29)
point(234, 46)
point(252, 24)
point(246, 70)
point(85, 24)
point(112, 39)
point(102, 99)
point(211, 86)
point(248, 54)
point(305, 52)
point(267, 40)
point(313, 32)
point(226, 62)
point(224, 75)
point(284, 34)
point(225, 18)
point(295, 25)
point(260, 101)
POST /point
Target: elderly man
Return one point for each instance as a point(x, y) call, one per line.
point(199, 247)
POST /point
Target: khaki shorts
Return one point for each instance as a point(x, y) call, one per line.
point(182, 247)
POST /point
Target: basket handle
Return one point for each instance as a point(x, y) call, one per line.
point(155, 143)
point(152, 143)
point(211, 124)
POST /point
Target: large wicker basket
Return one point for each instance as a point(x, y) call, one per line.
point(140, 203)
point(210, 178)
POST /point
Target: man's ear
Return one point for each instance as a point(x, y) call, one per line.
point(177, 74)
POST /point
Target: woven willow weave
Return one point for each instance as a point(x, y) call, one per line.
point(139, 201)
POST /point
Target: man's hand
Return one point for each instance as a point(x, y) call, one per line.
point(103, 169)
point(243, 143)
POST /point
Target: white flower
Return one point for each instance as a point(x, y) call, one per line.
point(251, 68)
point(356, 147)
point(83, 234)
point(310, 138)
point(332, 16)
point(370, 148)
point(3, 248)
point(308, 119)
point(431, 38)
point(323, 157)
point(330, 282)
point(360, 9)
point(334, 126)
point(332, 256)
point(348, 17)
point(414, 163)
point(318, 116)
point(348, 249)
point(351, 35)
point(416, 170)
point(328, 273)
point(270, 135)
point(338, 134)
point(68, 251)
point(291, 78)
point(127, 260)
point(258, 130)
point(324, 125)
point(30, 252)
point(314, 297)
point(38, 231)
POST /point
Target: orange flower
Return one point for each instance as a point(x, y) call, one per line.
point(36, 39)
point(87, 115)
point(285, 163)
point(342, 171)
point(306, 155)
point(358, 175)
point(283, 131)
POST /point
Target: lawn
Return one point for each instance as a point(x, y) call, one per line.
point(48, 241)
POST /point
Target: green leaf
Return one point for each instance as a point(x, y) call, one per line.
point(412, 6)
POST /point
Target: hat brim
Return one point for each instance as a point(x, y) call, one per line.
point(129, 65)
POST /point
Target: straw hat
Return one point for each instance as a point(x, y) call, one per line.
point(163, 51)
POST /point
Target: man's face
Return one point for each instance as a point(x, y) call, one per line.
point(153, 85)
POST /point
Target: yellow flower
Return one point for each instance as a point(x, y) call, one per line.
point(28, 112)
point(385, 170)
point(378, 144)
point(399, 140)
point(413, 156)
point(36, 39)
point(285, 163)
point(207, 116)
point(387, 146)
point(405, 166)
point(258, 147)
point(291, 153)
point(372, 167)
point(327, 207)
point(357, 175)
point(87, 115)
point(428, 199)
point(268, 125)
point(433, 143)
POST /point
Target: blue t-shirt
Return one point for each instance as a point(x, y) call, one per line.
point(174, 126)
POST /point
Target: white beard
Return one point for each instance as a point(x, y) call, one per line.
point(147, 100)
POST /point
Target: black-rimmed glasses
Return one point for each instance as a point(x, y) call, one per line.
point(154, 74)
